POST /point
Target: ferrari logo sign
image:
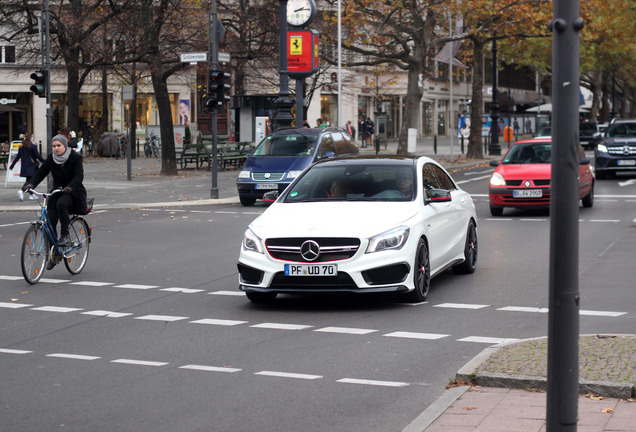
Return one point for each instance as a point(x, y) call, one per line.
point(296, 45)
point(302, 52)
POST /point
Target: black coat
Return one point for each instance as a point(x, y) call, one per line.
point(70, 174)
point(29, 156)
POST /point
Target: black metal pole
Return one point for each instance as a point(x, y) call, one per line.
point(494, 148)
point(213, 61)
point(283, 117)
point(563, 317)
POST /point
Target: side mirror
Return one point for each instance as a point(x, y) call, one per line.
point(270, 197)
point(438, 196)
point(494, 163)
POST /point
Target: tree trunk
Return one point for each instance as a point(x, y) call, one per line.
point(72, 94)
point(160, 86)
point(474, 150)
point(413, 104)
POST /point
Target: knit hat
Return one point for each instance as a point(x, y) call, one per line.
point(62, 139)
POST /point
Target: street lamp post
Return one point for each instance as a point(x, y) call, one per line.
point(494, 148)
point(283, 117)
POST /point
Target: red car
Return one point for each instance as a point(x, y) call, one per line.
point(522, 178)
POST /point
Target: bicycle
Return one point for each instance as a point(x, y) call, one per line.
point(40, 244)
point(151, 146)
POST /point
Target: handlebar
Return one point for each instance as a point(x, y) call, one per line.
point(45, 194)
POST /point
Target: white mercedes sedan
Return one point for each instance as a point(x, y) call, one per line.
point(360, 225)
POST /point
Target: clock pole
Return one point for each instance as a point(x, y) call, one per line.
point(283, 117)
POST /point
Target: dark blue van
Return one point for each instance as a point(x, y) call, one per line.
point(283, 155)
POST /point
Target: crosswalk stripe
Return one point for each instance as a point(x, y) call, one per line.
point(161, 318)
point(412, 335)
point(219, 322)
point(461, 306)
point(209, 368)
point(488, 340)
point(277, 326)
point(372, 382)
point(345, 330)
point(288, 375)
point(73, 356)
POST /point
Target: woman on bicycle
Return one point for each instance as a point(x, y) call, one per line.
point(67, 171)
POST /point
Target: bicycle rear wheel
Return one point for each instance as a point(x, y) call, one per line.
point(76, 255)
point(35, 254)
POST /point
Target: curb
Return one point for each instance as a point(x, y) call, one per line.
point(470, 373)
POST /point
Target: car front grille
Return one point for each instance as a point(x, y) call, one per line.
point(536, 182)
point(330, 249)
point(269, 176)
point(622, 150)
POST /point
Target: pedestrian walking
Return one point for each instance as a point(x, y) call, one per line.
point(30, 157)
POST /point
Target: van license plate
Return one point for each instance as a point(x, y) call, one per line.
point(626, 162)
point(311, 270)
point(269, 186)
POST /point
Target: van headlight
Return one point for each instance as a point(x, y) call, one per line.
point(601, 148)
point(245, 175)
point(390, 240)
point(497, 180)
point(252, 242)
point(293, 174)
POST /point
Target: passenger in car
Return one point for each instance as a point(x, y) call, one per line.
point(339, 189)
point(404, 182)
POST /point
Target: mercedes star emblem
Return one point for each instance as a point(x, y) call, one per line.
point(309, 250)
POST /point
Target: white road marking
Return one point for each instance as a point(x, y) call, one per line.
point(73, 356)
point(56, 309)
point(606, 220)
point(345, 330)
point(12, 351)
point(175, 210)
point(139, 362)
point(523, 309)
point(461, 306)
point(372, 382)
point(161, 318)
point(532, 220)
point(133, 286)
point(181, 290)
point(200, 211)
point(601, 313)
point(473, 179)
point(107, 314)
point(226, 212)
point(411, 335)
point(13, 278)
point(54, 281)
point(220, 322)
point(228, 293)
point(288, 375)
point(488, 340)
point(209, 368)
point(89, 283)
point(14, 305)
point(14, 224)
point(277, 326)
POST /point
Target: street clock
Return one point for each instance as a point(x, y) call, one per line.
point(300, 12)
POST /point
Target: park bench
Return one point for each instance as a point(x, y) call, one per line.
point(192, 153)
point(233, 154)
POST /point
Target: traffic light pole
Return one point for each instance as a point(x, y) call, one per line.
point(47, 64)
point(213, 60)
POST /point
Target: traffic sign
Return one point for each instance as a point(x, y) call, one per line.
point(194, 57)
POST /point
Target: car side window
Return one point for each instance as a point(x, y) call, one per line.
point(429, 181)
point(443, 180)
point(326, 146)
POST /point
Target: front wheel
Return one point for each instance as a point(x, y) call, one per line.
point(470, 252)
point(76, 255)
point(421, 274)
point(588, 200)
point(247, 201)
point(496, 211)
point(35, 254)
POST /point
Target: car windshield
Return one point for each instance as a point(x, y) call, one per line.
point(354, 182)
point(287, 145)
point(621, 130)
point(587, 128)
point(528, 153)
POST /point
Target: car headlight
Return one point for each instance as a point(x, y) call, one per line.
point(245, 175)
point(293, 174)
point(497, 180)
point(251, 242)
point(601, 148)
point(390, 240)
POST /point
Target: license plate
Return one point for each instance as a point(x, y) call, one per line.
point(266, 186)
point(311, 270)
point(527, 193)
point(628, 162)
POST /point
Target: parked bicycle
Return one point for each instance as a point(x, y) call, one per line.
point(123, 143)
point(40, 244)
point(151, 146)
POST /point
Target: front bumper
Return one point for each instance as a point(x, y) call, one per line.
point(503, 197)
point(606, 162)
point(251, 190)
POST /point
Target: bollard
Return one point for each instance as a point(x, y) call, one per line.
point(462, 144)
point(377, 144)
point(435, 144)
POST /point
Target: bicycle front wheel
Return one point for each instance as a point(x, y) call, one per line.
point(35, 254)
point(76, 254)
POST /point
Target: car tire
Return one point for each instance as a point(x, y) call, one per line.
point(470, 252)
point(261, 297)
point(496, 211)
point(601, 175)
point(247, 201)
point(421, 274)
point(588, 200)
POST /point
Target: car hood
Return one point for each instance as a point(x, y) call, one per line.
point(277, 163)
point(620, 141)
point(332, 219)
point(524, 171)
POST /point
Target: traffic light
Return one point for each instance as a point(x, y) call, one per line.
point(222, 88)
point(39, 87)
point(214, 82)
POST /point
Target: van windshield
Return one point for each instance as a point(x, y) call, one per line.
point(287, 145)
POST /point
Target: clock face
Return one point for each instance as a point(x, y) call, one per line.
point(300, 12)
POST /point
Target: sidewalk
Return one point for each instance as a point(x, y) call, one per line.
point(489, 393)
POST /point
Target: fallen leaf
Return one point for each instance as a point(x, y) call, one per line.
point(14, 299)
point(607, 411)
point(470, 408)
